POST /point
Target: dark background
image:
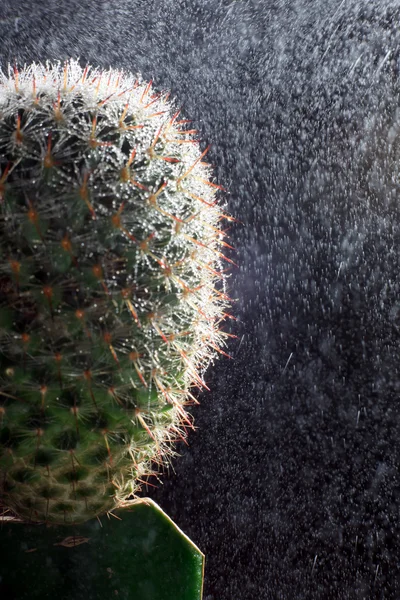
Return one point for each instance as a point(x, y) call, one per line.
point(290, 485)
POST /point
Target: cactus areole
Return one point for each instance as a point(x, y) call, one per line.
point(112, 287)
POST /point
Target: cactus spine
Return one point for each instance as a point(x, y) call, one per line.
point(111, 287)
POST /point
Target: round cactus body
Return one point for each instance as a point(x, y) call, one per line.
point(111, 287)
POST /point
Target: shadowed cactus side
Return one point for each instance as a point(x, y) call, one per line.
point(112, 289)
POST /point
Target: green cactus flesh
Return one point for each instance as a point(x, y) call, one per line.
point(111, 287)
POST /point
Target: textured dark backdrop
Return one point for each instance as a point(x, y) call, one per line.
point(291, 484)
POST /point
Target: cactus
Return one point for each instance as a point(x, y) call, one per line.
point(111, 287)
